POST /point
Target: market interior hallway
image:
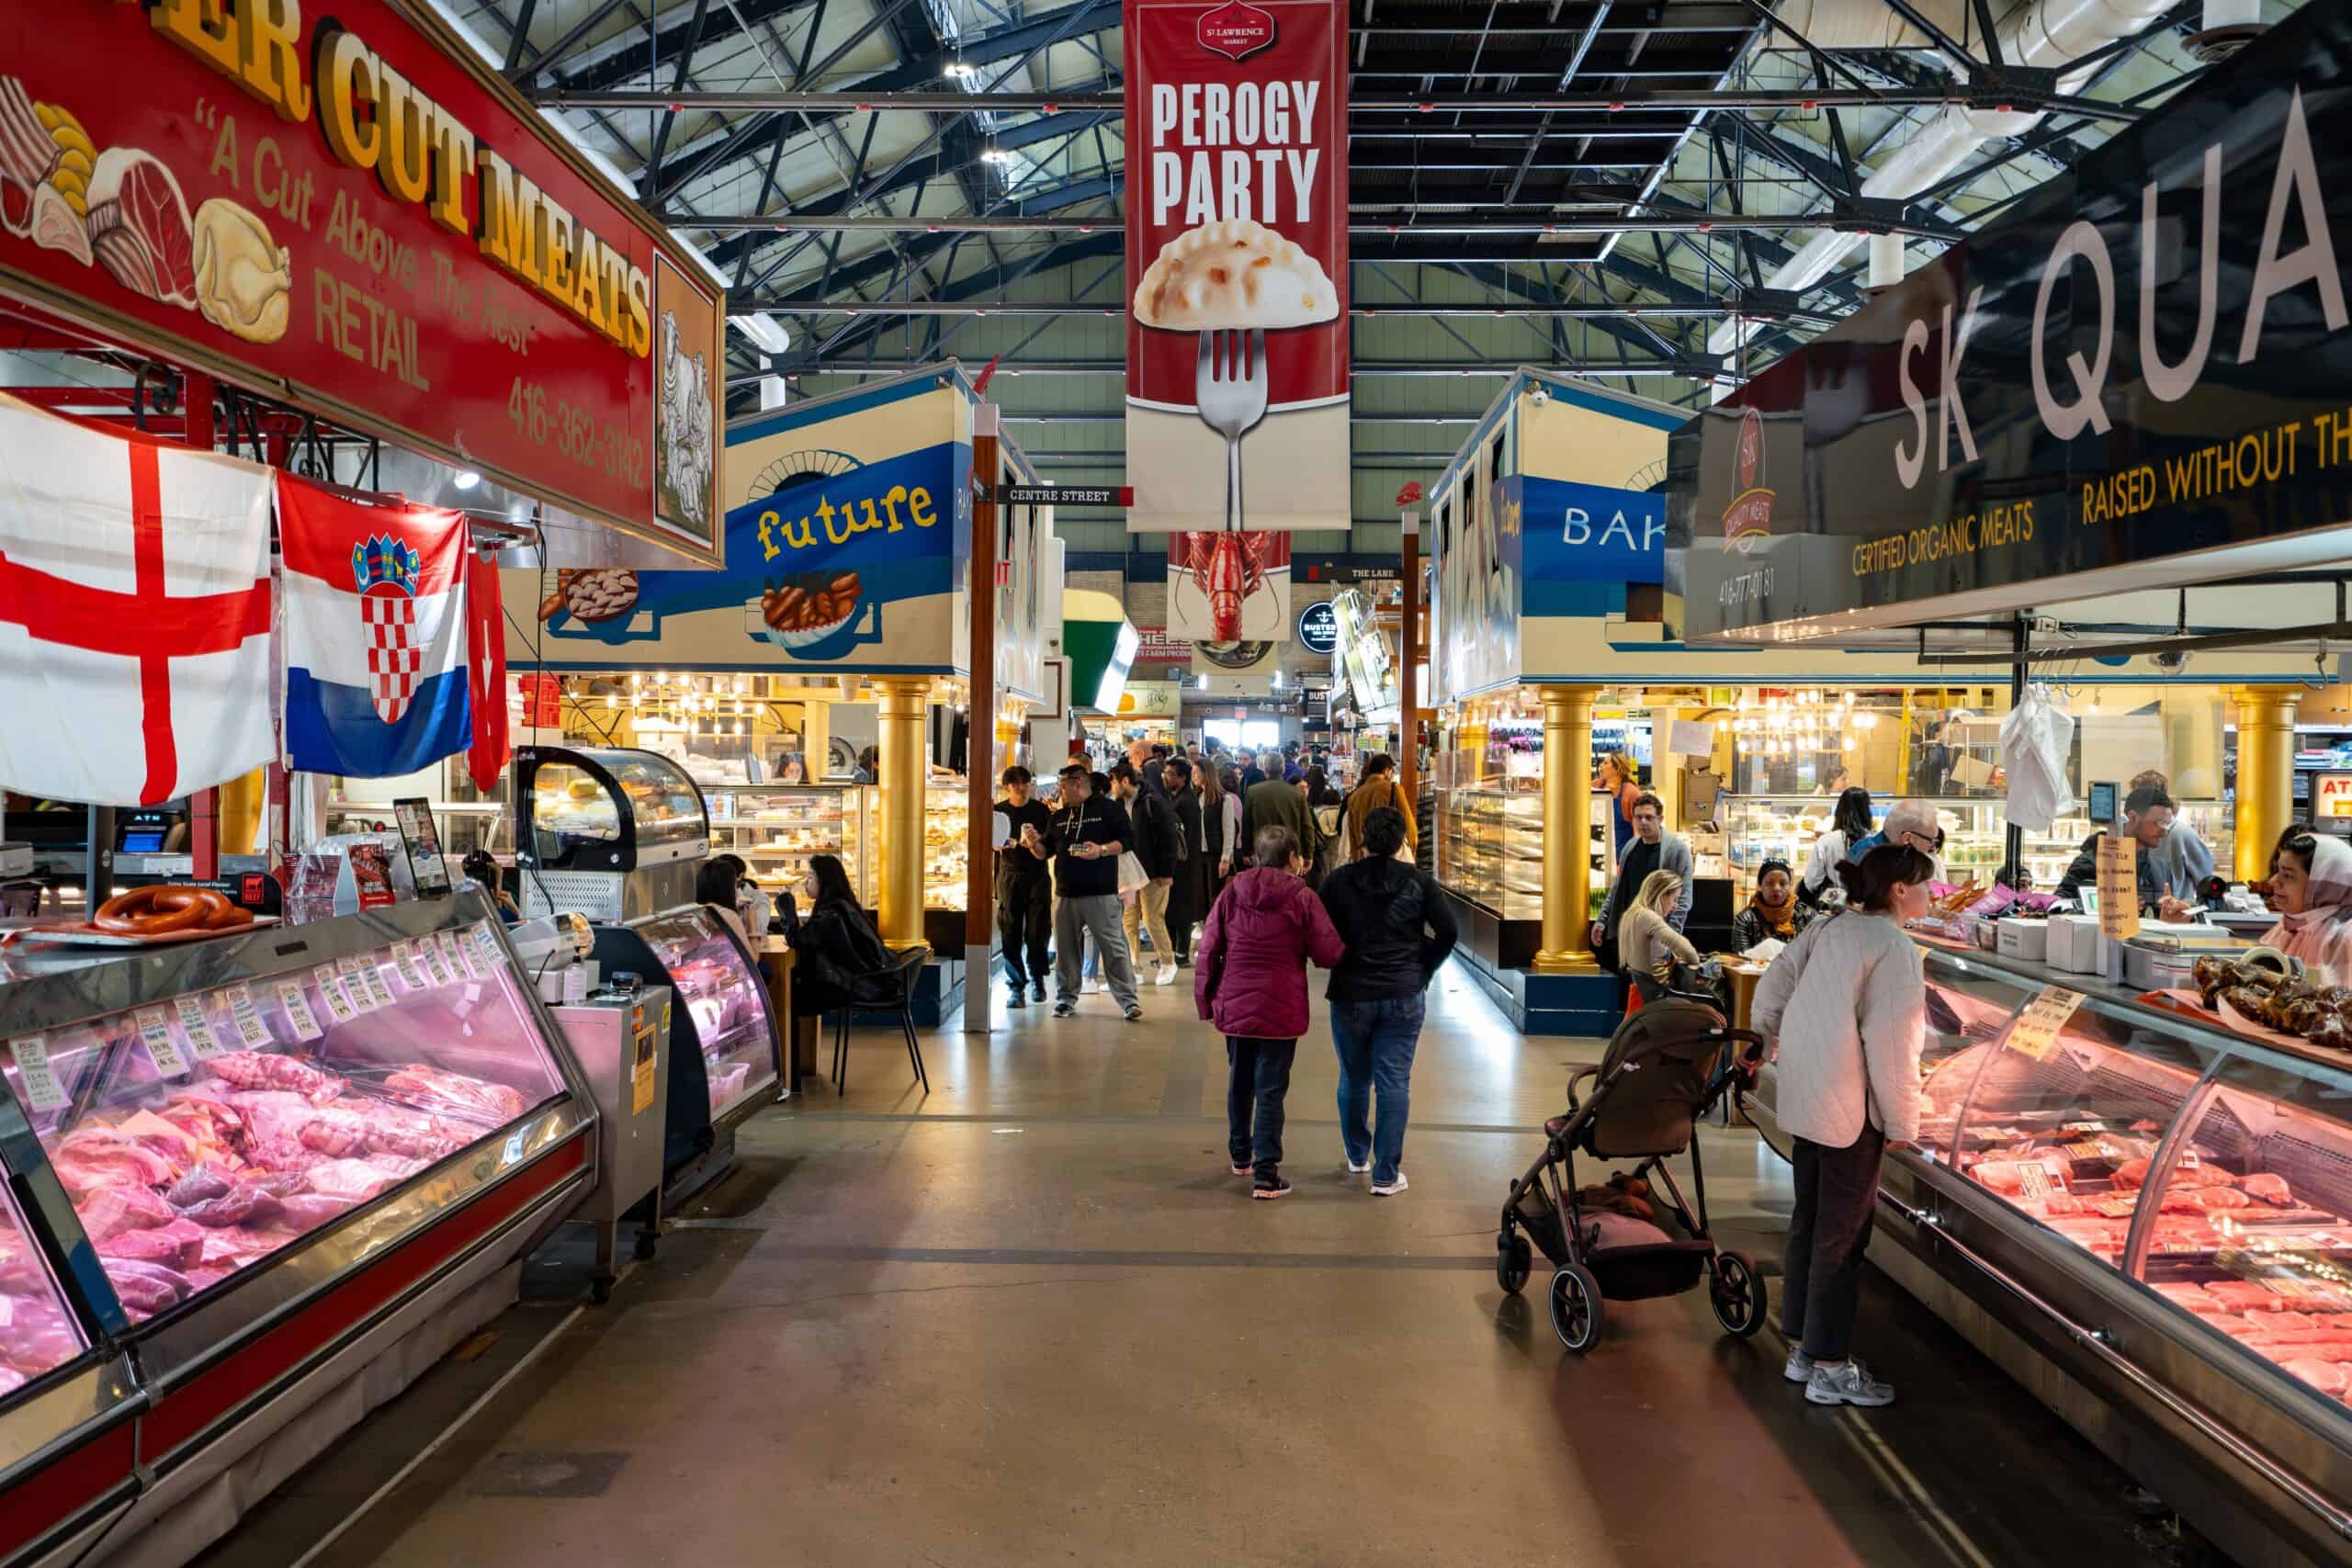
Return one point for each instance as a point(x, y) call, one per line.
point(1030, 1317)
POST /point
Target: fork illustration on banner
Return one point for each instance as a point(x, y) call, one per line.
point(1229, 386)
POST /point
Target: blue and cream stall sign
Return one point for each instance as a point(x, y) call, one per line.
point(1551, 509)
point(848, 550)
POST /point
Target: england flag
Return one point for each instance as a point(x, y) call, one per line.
point(375, 598)
point(134, 612)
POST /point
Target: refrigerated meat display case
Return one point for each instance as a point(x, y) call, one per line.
point(726, 1054)
point(256, 1186)
point(2147, 1219)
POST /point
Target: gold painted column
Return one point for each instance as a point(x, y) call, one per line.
point(2266, 798)
point(902, 701)
point(1567, 828)
point(816, 739)
point(241, 799)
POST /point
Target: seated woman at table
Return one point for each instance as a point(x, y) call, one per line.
point(2310, 887)
point(835, 948)
point(1773, 912)
point(1647, 947)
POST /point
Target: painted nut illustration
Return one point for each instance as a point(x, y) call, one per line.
point(806, 603)
point(595, 593)
point(244, 281)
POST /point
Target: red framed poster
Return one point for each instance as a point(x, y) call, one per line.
point(1236, 218)
point(348, 210)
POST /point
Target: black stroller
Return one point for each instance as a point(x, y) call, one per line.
point(1665, 1067)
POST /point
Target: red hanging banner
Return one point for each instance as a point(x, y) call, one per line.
point(1238, 251)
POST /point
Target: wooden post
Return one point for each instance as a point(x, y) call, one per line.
point(1408, 695)
point(979, 860)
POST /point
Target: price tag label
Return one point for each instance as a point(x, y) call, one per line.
point(493, 952)
point(155, 1034)
point(428, 958)
point(247, 1018)
point(2033, 1181)
point(2035, 1032)
point(297, 1010)
point(467, 945)
point(197, 1027)
point(453, 953)
point(2118, 887)
point(42, 1091)
point(405, 964)
point(331, 991)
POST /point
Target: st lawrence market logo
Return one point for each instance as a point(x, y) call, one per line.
point(387, 571)
point(1236, 30)
point(1749, 516)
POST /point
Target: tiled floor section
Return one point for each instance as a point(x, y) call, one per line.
point(1030, 1319)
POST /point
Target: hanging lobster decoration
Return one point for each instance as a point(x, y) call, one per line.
point(1227, 568)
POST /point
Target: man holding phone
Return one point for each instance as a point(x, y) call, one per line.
point(1088, 835)
point(1025, 888)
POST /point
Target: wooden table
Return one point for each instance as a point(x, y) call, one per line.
point(798, 1033)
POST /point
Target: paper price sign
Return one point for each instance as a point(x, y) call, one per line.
point(406, 963)
point(155, 1034)
point(468, 950)
point(297, 1010)
point(338, 1001)
point(2035, 1032)
point(2118, 887)
point(197, 1027)
point(453, 953)
point(428, 957)
point(493, 952)
point(41, 1090)
point(247, 1017)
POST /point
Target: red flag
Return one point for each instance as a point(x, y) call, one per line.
point(486, 674)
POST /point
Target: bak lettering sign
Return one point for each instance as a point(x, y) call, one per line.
point(345, 210)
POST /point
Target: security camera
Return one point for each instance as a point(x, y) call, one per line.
point(2172, 662)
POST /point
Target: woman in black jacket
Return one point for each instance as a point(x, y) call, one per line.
point(835, 949)
point(1398, 928)
point(1188, 898)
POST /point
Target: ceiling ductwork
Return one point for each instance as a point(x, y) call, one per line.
point(2043, 35)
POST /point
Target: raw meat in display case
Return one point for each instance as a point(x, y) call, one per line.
point(286, 1167)
point(188, 1162)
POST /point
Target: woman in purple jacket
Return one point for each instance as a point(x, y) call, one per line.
point(1250, 979)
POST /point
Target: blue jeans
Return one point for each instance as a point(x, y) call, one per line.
point(1375, 1041)
point(1258, 1078)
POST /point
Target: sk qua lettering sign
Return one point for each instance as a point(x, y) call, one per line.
point(1237, 252)
point(345, 208)
point(2144, 372)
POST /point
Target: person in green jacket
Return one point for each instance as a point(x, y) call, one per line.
point(1274, 803)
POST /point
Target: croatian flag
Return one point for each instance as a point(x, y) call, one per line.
point(134, 612)
point(375, 598)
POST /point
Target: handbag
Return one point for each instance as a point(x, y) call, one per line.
point(1131, 876)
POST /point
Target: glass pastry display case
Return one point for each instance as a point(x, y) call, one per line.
point(2160, 1212)
point(777, 828)
point(234, 1161)
point(946, 842)
point(1757, 828)
point(608, 833)
point(725, 1061)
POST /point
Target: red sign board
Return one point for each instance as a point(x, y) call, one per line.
point(345, 210)
point(542, 700)
point(1237, 221)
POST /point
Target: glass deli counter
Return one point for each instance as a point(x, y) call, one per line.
point(777, 828)
point(2149, 1220)
point(609, 832)
point(233, 1161)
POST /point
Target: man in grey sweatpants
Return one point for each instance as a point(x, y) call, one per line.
point(1089, 833)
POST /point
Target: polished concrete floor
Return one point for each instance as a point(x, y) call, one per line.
point(1029, 1319)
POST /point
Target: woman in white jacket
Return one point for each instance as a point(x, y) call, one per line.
point(1847, 1008)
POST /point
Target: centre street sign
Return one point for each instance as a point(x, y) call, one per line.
point(1065, 495)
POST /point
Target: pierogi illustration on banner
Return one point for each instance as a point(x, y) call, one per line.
point(1238, 251)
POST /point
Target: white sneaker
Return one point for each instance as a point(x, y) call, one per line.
point(1800, 1366)
point(1390, 1189)
point(1849, 1384)
point(1094, 987)
point(1355, 1169)
point(1164, 975)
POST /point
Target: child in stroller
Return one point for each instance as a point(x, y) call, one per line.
point(1665, 1067)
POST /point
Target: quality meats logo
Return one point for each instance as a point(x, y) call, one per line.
point(1236, 31)
point(1749, 515)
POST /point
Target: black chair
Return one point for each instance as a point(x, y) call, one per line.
point(893, 991)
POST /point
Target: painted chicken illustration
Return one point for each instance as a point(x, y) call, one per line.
point(1228, 567)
